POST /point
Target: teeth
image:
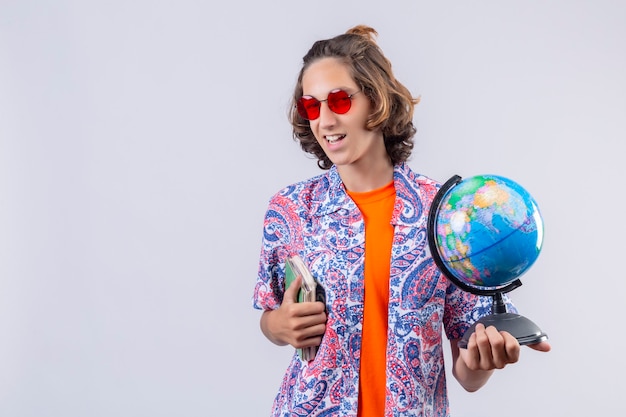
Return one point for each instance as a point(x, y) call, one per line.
point(333, 138)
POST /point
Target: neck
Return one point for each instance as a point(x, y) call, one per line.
point(366, 178)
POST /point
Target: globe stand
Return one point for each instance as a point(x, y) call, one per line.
point(523, 329)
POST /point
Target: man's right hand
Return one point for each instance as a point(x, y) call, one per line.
point(297, 324)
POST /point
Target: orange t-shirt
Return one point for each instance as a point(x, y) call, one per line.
point(377, 208)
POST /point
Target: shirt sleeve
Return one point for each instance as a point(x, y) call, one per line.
point(279, 235)
point(463, 309)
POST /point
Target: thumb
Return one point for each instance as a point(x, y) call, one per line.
point(291, 293)
point(541, 346)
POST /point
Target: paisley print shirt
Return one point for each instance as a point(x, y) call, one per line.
point(316, 219)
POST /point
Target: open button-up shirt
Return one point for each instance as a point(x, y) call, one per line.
point(318, 220)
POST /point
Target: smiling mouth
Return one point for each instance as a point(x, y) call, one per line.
point(334, 138)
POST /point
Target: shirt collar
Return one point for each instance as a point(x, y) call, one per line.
point(331, 196)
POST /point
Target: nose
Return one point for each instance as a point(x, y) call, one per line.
point(327, 116)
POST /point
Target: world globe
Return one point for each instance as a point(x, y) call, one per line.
point(484, 232)
point(488, 230)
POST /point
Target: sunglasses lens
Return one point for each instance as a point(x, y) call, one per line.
point(339, 101)
point(308, 107)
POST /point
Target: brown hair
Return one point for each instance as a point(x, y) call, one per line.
point(392, 103)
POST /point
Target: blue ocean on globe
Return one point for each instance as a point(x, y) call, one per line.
point(488, 231)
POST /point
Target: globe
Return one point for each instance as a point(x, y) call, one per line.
point(484, 232)
point(488, 230)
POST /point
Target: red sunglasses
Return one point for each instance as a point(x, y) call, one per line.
point(339, 101)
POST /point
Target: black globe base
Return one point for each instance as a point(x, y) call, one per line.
point(524, 330)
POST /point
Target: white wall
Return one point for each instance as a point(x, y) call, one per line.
point(140, 141)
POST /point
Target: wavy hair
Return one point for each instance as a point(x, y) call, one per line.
point(392, 103)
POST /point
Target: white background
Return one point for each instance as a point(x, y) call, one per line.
point(140, 141)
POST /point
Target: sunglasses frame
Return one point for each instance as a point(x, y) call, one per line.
point(317, 104)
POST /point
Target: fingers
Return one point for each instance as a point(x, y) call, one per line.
point(511, 351)
point(306, 330)
point(490, 349)
point(302, 324)
point(309, 336)
point(305, 311)
point(304, 320)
